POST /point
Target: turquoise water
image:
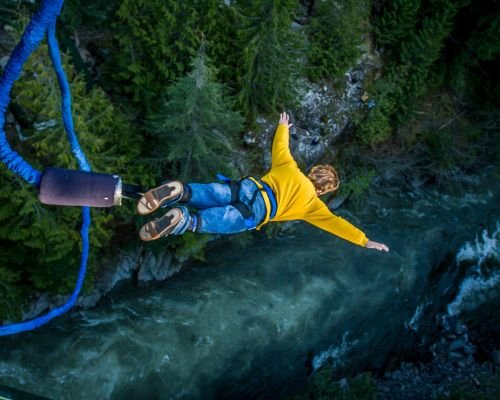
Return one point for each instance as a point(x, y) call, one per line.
point(255, 321)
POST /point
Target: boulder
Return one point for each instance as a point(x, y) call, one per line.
point(457, 344)
point(156, 267)
point(495, 356)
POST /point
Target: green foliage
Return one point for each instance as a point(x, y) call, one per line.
point(323, 387)
point(74, 16)
point(269, 58)
point(196, 127)
point(485, 41)
point(335, 34)
point(443, 143)
point(41, 244)
point(156, 41)
point(397, 23)
point(473, 72)
point(423, 49)
point(357, 184)
point(189, 246)
point(12, 295)
point(414, 47)
point(417, 129)
point(377, 125)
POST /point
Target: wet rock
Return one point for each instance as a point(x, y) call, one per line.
point(384, 389)
point(122, 268)
point(449, 323)
point(469, 349)
point(343, 384)
point(41, 304)
point(460, 329)
point(90, 300)
point(456, 356)
point(9, 118)
point(495, 356)
point(250, 137)
point(397, 375)
point(337, 202)
point(156, 267)
point(323, 115)
point(457, 345)
point(3, 62)
point(41, 126)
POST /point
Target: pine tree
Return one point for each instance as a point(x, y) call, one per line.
point(156, 41)
point(423, 49)
point(269, 55)
point(413, 49)
point(397, 23)
point(196, 126)
point(335, 33)
point(474, 68)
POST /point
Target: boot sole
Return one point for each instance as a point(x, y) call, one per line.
point(155, 198)
point(160, 227)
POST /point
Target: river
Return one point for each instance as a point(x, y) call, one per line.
point(254, 321)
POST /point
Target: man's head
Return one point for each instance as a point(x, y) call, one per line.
point(324, 179)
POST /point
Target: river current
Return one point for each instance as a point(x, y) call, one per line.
point(255, 321)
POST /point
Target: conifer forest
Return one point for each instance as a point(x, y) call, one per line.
point(164, 88)
point(174, 89)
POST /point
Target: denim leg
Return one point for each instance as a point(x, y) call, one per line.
point(206, 195)
point(225, 220)
point(228, 219)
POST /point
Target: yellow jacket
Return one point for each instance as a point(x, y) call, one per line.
point(296, 195)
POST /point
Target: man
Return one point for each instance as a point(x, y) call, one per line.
point(283, 194)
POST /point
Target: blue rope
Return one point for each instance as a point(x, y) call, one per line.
point(65, 98)
point(43, 22)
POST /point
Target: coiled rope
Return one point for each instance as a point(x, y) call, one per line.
point(42, 23)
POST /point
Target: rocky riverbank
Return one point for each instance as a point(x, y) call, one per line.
point(450, 366)
point(138, 264)
point(457, 368)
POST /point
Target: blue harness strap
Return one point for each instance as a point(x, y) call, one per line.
point(244, 209)
point(42, 23)
point(272, 198)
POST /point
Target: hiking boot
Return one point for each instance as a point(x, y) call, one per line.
point(174, 222)
point(168, 193)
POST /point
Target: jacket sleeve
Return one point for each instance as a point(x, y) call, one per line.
point(281, 150)
point(323, 218)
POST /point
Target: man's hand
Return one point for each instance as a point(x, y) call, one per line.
point(284, 119)
point(376, 246)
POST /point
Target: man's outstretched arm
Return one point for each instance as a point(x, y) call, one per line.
point(281, 148)
point(323, 218)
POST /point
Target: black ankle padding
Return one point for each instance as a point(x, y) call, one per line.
point(133, 191)
point(186, 194)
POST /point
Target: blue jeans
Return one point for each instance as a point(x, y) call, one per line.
point(213, 200)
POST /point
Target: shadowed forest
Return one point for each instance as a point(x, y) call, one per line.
point(166, 89)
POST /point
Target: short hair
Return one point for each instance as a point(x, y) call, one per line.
point(324, 178)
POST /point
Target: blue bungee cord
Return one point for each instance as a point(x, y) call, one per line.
point(42, 23)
